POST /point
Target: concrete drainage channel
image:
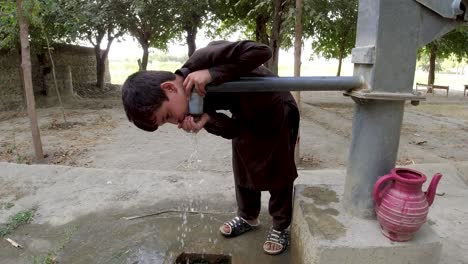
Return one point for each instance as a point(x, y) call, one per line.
point(196, 258)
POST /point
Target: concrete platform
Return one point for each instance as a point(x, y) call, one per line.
point(323, 233)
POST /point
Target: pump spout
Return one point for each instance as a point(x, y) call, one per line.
point(431, 190)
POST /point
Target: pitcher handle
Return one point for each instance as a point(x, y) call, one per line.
point(377, 187)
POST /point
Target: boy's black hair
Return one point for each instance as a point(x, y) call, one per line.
point(142, 96)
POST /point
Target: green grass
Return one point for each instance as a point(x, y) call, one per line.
point(48, 258)
point(17, 220)
point(6, 205)
point(121, 69)
point(11, 148)
point(51, 256)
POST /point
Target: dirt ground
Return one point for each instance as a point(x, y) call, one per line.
point(140, 172)
point(97, 134)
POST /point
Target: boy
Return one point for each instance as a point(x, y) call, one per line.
point(263, 127)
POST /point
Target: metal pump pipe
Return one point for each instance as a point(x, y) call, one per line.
point(276, 84)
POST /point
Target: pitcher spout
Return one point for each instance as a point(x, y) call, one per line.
point(431, 190)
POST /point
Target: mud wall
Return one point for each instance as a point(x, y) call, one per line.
point(81, 60)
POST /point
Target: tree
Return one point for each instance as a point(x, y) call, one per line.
point(42, 19)
point(279, 7)
point(8, 25)
point(95, 21)
point(262, 20)
point(297, 65)
point(334, 32)
point(454, 43)
point(189, 17)
point(149, 22)
point(23, 22)
point(251, 17)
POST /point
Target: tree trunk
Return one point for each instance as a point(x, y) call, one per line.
point(297, 67)
point(100, 67)
point(101, 58)
point(275, 39)
point(192, 29)
point(144, 60)
point(432, 65)
point(191, 37)
point(27, 79)
point(340, 60)
point(260, 30)
point(298, 38)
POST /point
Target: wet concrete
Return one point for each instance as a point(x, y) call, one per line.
point(320, 194)
point(322, 222)
point(106, 237)
point(321, 219)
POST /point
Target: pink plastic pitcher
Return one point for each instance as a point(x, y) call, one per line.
point(401, 205)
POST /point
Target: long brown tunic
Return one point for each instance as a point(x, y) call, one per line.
point(263, 125)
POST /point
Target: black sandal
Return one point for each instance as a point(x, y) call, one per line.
point(279, 238)
point(238, 226)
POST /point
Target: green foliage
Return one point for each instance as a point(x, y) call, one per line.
point(234, 15)
point(189, 16)
point(453, 65)
point(423, 63)
point(454, 43)
point(332, 27)
point(54, 22)
point(19, 219)
point(92, 20)
point(9, 30)
point(46, 19)
point(150, 22)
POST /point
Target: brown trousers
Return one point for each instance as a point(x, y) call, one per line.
point(279, 206)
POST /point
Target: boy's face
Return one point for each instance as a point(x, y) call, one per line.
point(175, 109)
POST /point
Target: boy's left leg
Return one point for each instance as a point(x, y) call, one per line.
point(280, 208)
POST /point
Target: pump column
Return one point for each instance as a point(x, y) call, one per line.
point(385, 57)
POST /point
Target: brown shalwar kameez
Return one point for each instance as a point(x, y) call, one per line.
point(263, 127)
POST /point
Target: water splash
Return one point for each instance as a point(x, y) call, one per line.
point(193, 165)
point(193, 162)
point(145, 256)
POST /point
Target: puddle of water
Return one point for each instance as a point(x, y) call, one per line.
point(146, 256)
point(106, 238)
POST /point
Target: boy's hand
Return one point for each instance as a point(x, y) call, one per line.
point(190, 125)
point(197, 80)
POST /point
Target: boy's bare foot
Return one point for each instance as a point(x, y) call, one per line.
point(227, 228)
point(269, 246)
